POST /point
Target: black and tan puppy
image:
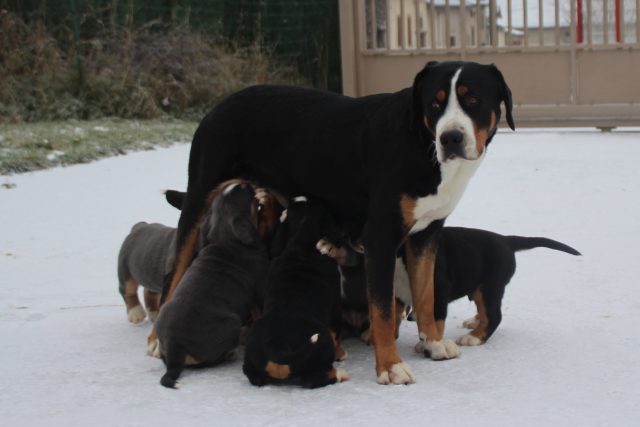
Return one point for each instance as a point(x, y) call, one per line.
point(202, 322)
point(294, 342)
point(145, 258)
point(470, 262)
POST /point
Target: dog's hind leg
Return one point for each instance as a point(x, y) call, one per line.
point(152, 304)
point(472, 322)
point(174, 359)
point(210, 163)
point(493, 304)
point(129, 292)
point(400, 315)
point(488, 317)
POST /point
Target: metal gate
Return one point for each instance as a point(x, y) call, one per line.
point(568, 62)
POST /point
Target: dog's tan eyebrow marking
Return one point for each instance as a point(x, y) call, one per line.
point(441, 95)
point(462, 90)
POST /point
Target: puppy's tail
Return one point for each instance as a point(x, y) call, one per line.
point(520, 243)
point(174, 359)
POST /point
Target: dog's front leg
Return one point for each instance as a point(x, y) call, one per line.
point(380, 246)
point(420, 250)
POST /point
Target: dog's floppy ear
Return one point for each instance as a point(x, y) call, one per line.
point(175, 198)
point(505, 94)
point(244, 231)
point(416, 98)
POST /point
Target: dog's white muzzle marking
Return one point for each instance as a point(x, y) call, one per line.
point(454, 118)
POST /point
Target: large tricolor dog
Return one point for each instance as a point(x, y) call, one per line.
point(390, 167)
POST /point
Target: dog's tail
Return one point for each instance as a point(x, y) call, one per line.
point(174, 359)
point(520, 243)
point(175, 198)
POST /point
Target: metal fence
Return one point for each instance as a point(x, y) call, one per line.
point(301, 32)
point(568, 62)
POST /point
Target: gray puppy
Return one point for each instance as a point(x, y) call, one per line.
point(201, 323)
point(145, 258)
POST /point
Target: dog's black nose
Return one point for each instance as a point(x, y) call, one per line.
point(453, 143)
point(451, 137)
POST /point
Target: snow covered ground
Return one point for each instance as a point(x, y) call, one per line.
point(566, 352)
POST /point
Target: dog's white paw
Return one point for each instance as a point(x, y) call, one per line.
point(471, 323)
point(400, 373)
point(136, 314)
point(153, 348)
point(438, 350)
point(341, 375)
point(153, 315)
point(469, 340)
point(262, 195)
point(325, 247)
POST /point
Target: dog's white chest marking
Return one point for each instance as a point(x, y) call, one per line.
point(456, 174)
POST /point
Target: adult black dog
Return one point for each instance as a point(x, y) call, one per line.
point(388, 166)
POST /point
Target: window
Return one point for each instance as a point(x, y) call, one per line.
point(409, 32)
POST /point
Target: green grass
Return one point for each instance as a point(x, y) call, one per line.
point(31, 146)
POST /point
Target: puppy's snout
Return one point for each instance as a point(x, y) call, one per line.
point(452, 142)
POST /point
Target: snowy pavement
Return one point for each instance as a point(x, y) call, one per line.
point(566, 352)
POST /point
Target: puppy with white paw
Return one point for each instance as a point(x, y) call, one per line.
point(295, 341)
point(145, 258)
point(469, 262)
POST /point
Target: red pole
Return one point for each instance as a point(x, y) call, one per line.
point(618, 21)
point(579, 21)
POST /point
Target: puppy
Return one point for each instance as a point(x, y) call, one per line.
point(295, 341)
point(470, 262)
point(201, 323)
point(145, 258)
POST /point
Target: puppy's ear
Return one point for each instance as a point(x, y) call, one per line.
point(417, 111)
point(244, 231)
point(505, 95)
point(175, 198)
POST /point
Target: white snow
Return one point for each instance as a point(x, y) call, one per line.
point(565, 353)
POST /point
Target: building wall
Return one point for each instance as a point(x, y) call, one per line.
point(407, 30)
